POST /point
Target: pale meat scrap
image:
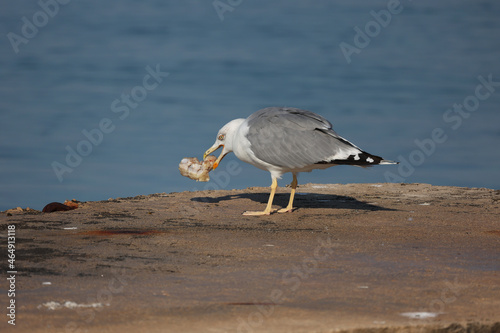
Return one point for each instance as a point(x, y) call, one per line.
point(191, 167)
point(185, 163)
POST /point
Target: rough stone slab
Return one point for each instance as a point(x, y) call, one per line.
point(355, 257)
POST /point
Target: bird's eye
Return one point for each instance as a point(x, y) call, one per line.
point(221, 137)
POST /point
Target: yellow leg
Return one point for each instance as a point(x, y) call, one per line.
point(267, 211)
point(289, 208)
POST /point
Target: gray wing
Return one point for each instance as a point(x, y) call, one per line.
point(295, 138)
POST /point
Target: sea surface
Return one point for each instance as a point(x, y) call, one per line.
point(101, 99)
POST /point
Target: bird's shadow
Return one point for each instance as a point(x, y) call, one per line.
point(309, 200)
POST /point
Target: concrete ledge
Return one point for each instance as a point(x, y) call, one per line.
point(350, 258)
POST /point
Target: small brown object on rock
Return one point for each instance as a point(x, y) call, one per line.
point(57, 207)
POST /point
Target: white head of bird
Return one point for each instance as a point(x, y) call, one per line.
point(225, 140)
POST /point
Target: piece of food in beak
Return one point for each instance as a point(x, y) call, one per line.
point(208, 163)
point(194, 171)
point(191, 167)
point(185, 164)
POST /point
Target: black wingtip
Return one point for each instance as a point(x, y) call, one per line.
point(360, 159)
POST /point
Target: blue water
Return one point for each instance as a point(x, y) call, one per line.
point(395, 90)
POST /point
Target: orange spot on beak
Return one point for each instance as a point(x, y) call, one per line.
point(221, 156)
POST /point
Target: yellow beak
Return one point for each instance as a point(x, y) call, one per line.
point(211, 150)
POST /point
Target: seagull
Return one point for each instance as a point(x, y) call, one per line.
point(283, 139)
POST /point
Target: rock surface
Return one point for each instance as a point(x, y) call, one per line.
point(356, 257)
